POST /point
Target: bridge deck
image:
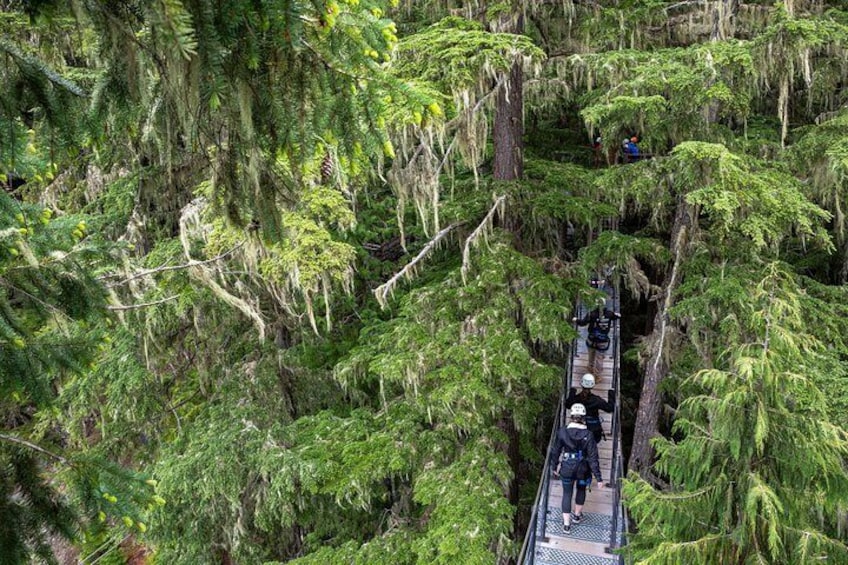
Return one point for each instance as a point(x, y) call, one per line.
point(588, 541)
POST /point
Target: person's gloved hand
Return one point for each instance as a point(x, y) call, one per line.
point(611, 395)
point(572, 391)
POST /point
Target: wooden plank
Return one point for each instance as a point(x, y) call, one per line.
point(596, 494)
point(577, 546)
point(594, 506)
point(598, 501)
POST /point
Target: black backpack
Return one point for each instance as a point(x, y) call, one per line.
point(598, 334)
point(572, 461)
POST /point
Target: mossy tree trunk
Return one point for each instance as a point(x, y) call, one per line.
point(656, 368)
point(508, 128)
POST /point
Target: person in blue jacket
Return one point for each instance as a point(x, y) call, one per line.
point(631, 149)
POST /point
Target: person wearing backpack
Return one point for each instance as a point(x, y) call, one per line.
point(599, 322)
point(575, 460)
point(591, 403)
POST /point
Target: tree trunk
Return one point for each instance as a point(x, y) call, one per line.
point(725, 14)
point(843, 272)
point(508, 129)
point(283, 340)
point(650, 401)
point(511, 449)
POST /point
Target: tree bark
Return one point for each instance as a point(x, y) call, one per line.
point(283, 340)
point(508, 129)
point(512, 449)
point(650, 401)
point(843, 272)
point(725, 15)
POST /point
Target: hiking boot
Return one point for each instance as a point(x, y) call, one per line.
point(566, 528)
point(575, 518)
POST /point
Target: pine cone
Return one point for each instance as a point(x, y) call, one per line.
point(326, 168)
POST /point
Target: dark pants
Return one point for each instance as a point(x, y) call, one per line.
point(593, 423)
point(568, 491)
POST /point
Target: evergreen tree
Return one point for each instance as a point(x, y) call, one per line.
point(52, 318)
point(264, 165)
point(756, 474)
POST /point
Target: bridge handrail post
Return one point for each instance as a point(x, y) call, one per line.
point(617, 465)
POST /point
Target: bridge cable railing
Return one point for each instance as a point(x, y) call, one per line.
point(539, 514)
point(617, 468)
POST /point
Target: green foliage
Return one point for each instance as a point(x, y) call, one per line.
point(260, 133)
point(627, 114)
point(665, 96)
point(789, 40)
point(625, 254)
point(117, 399)
point(269, 90)
point(224, 445)
point(46, 294)
point(821, 155)
point(409, 347)
point(395, 547)
point(756, 448)
point(553, 198)
point(51, 318)
point(460, 527)
point(739, 200)
point(760, 203)
point(30, 507)
point(716, 297)
point(441, 375)
point(31, 94)
point(111, 211)
point(456, 54)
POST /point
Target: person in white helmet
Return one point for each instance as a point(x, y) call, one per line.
point(592, 404)
point(574, 457)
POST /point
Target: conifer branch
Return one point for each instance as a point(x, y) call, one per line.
point(46, 305)
point(164, 268)
point(143, 304)
point(654, 480)
point(48, 73)
point(34, 447)
point(455, 122)
point(331, 66)
point(447, 154)
point(478, 231)
point(684, 3)
point(495, 89)
point(382, 292)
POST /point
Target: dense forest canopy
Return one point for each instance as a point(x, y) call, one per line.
point(292, 280)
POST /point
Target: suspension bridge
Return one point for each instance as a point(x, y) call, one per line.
point(603, 528)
